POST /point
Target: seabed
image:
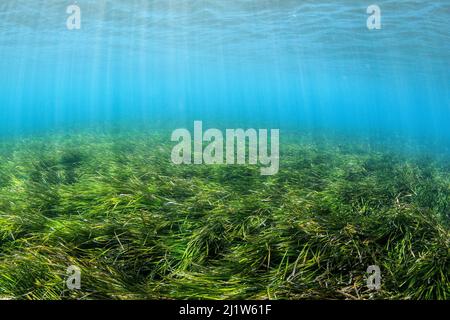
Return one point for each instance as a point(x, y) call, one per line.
point(140, 227)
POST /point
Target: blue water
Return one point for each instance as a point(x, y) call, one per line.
point(288, 64)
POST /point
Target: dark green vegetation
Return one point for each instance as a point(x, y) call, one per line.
point(140, 227)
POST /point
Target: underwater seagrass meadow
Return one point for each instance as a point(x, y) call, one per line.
point(86, 176)
point(140, 227)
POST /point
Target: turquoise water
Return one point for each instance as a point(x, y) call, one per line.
point(94, 175)
point(297, 65)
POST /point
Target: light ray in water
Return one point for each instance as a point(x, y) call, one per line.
point(224, 149)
